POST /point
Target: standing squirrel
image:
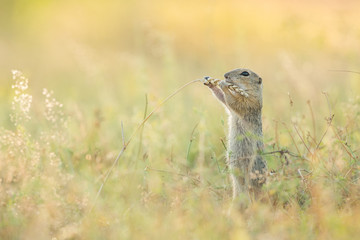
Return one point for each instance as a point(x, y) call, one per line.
point(241, 93)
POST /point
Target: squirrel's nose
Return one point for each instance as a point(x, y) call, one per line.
point(226, 75)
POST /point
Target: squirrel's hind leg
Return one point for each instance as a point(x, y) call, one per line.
point(240, 192)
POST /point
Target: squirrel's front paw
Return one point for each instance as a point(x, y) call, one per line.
point(210, 82)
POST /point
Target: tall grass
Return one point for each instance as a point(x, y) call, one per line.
point(49, 184)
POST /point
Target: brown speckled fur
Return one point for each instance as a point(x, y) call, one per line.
point(245, 139)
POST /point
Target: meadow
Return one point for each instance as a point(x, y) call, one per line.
point(79, 78)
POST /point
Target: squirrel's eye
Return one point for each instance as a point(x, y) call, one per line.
point(245, 73)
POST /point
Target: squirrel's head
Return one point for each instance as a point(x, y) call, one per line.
point(250, 82)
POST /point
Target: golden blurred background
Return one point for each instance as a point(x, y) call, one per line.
point(108, 55)
point(137, 46)
point(107, 61)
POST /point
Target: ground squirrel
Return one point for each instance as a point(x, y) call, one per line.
point(241, 93)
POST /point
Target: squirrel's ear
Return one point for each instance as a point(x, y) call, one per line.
point(260, 80)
